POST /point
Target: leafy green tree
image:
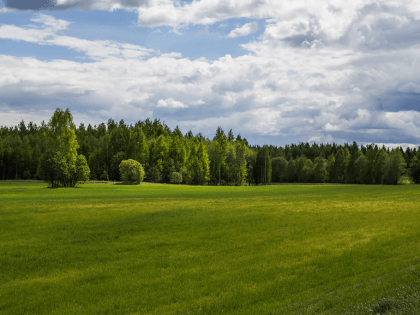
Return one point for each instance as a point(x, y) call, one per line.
point(351, 172)
point(319, 170)
point(360, 170)
point(331, 168)
point(378, 166)
point(305, 174)
point(278, 165)
point(394, 167)
point(240, 165)
point(177, 151)
point(304, 169)
point(251, 158)
point(197, 165)
point(218, 154)
point(131, 171)
point(370, 154)
point(230, 169)
point(17, 155)
point(115, 165)
point(415, 168)
point(80, 171)
point(161, 157)
point(138, 147)
point(53, 168)
point(263, 166)
point(119, 138)
point(1, 158)
point(342, 158)
point(291, 172)
point(61, 135)
point(36, 155)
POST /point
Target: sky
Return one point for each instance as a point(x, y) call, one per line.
point(276, 72)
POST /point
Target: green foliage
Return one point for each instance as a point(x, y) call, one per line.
point(115, 165)
point(415, 169)
point(263, 166)
point(138, 148)
point(131, 171)
point(104, 176)
point(279, 166)
point(394, 168)
point(359, 169)
point(378, 170)
point(60, 165)
point(80, 171)
point(53, 168)
point(199, 159)
point(176, 178)
point(291, 172)
point(61, 135)
point(320, 170)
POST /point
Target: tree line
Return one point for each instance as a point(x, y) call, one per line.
point(70, 154)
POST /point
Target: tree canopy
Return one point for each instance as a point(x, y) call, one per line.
point(65, 155)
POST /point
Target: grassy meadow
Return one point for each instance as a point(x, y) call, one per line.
point(166, 249)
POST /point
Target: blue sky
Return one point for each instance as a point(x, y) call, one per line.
point(277, 72)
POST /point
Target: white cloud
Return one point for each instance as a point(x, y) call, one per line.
point(329, 127)
point(51, 22)
point(244, 30)
point(171, 103)
point(310, 79)
point(172, 55)
point(48, 35)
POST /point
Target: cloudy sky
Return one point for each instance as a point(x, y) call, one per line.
point(277, 72)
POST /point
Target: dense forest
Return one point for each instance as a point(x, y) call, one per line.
point(225, 160)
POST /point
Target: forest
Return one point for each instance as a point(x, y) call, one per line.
point(169, 156)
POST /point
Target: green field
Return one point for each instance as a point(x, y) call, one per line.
point(163, 249)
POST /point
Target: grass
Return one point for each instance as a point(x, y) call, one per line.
point(167, 249)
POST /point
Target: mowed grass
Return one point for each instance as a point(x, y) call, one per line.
point(163, 249)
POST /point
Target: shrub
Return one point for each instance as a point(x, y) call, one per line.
point(131, 171)
point(27, 174)
point(104, 176)
point(176, 178)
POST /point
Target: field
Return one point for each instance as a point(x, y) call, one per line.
point(165, 249)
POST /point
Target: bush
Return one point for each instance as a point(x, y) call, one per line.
point(104, 176)
point(176, 178)
point(131, 171)
point(27, 174)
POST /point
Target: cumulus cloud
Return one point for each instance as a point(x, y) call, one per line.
point(171, 103)
point(328, 73)
point(244, 30)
